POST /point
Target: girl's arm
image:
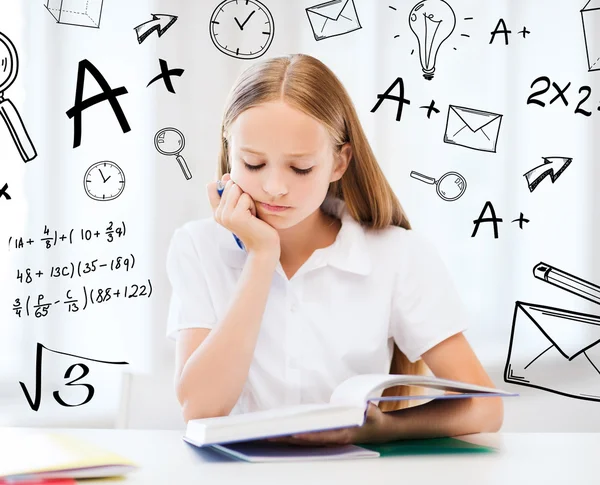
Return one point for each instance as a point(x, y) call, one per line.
point(451, 359)
point(211, 371)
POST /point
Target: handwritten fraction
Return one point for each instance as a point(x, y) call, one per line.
point(112, 233)
point(39, 307)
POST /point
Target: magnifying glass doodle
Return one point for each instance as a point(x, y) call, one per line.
point(9, 66)
point(450, 186)
point(170, 141)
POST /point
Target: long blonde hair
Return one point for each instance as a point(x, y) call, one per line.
point(310, 86)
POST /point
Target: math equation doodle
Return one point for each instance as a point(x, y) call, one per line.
point(91, 296)
point(35, 400)
point(112, 232)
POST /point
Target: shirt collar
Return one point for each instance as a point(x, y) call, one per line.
point(349, 252)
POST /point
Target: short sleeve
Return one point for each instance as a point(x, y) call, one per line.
point(191, 305)
point(426, 307)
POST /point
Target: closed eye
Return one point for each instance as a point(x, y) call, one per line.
point(299, 171)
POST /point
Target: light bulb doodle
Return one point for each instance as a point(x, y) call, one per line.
point(432, 22)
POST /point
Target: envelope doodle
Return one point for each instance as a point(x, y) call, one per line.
point(472, 128)
point(333, 18)
point(553, 349)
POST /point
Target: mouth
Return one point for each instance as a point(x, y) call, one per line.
point(274, 208)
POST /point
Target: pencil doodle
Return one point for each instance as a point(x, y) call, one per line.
point(552, 166)
point(108, 94)
point(472, 128)
point(333, 18)
point(83, 13)
point(560, 94)
point(246, 40)
point(165, 75)
point(590, 17)
point(450, 186)
point(160, 23)
point(170, 141)
point(104, 181)
point(544, 337)
point(432, 22)
point(4, 193)
point(9, 67)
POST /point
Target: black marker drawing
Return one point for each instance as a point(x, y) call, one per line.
point(113, 232)
point(400, 98)
point(104, 181)
point(590, 16)
point(4, 193)
point(170, 141)
point(521, 220)
point(450, 186)
point(553, 166)
point(333, 18)
point(472, 128)
point(165, 75)
point(243, 30)
point(493, 219)
point(108, 94)
point(544, 337)
point(560, 94)
point(430, 109)
point(83, 13)
point(160, 23)
point(9, 67)
point(432, 22)
point(35, 401)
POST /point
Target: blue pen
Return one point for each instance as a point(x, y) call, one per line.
point(220, 189)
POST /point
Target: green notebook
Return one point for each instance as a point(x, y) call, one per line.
point(429, 446)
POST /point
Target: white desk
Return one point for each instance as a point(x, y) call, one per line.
point(548, 458)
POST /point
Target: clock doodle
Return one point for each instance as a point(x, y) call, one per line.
point(104, 181)
point(243, 29)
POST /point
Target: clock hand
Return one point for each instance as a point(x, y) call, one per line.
point(242, 26)
point(237, 22)
point(103, 179)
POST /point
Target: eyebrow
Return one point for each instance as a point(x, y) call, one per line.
point(288, 155)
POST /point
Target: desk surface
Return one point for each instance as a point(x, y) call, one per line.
point(549, 458)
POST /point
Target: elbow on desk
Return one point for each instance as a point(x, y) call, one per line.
point(191, 409)
point(491, 413)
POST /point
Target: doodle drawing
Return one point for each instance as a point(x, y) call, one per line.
point(432, 22)
point(170, 141)
point(554, 349)
point(9, 66)
point(83, 13)
point(336, 17)
point(472, 128)
point(450, 186)
point(590, 16)
point(553, 166)
point(159, 23)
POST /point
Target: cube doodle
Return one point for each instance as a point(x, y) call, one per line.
point(84, 13)
point(590, 15)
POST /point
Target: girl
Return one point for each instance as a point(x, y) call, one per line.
point(331, 281)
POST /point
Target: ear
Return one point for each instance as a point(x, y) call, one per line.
point(342, 160)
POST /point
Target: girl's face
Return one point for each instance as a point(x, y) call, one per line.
point(281, 156)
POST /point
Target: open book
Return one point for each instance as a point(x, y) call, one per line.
point(347, 407)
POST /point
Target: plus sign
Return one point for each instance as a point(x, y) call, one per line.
point(39, 273)
point(117, 293)
point(430, 108)
point(4, 193)
point(29, 241)
point(521, 220)
point(524, 32)
point(63, 237)
point(165, 74)
point(96, 234)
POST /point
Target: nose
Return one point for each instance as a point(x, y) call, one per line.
point(274, 185)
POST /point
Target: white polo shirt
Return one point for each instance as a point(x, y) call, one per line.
point(338, 316)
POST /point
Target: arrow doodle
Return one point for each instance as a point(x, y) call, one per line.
point(553, 166)
point(160, 22)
